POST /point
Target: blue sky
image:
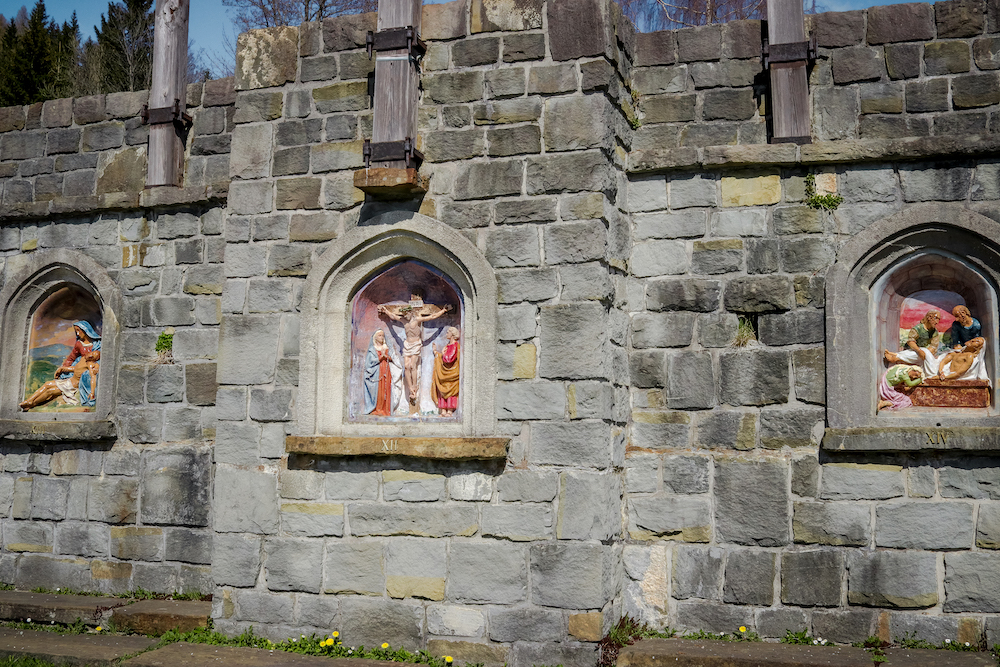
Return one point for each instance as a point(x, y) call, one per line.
point(209, 22)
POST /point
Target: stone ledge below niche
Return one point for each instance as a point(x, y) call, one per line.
point(425, 448)
point(57, 431)
point(913, 439)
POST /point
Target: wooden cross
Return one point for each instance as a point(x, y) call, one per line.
point(168, 95)
point(392, 158)
point(788, 53)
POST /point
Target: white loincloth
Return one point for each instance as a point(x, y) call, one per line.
point(929, 365)
point(412, 349)
point(70, 393)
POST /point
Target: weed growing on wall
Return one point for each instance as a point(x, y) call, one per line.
point(827, 202)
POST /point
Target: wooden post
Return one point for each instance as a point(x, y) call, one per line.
point(396, 80)
point(168, 94)
point(788, 54)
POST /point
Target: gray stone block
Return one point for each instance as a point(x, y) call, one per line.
point(924, 526)
point(585, 506)
point(518, 522)
point(81, 539)
point(528, 654)
point(642, 473)
point(585, 282)
point(509, 624)
point(763, 294)
point(973, 482)
point(662, 329)
point(43, 571)
point(749, 577)
point(244, 336)
point(487, 571)
point(527, 486)
point(28, 536)
point(933, 629)
point(517, 322)
point(693, 190)
point(713, 617)
point(290, 564)
point(513, 246)
point(319, 611)
point(418, 519)
point(270, 405)
point(531, 400)
point(412, 486)
point(921, 183)
point(803, 325)
point(861, 482)
point(844, 626)
point(690, 294)
point(894, 579)
point(686, 224)
point(244, 501)
point(48, 498)
point(582, 443)
point(790, 427)
point(988, 527)
point(680, 517)
point(657, 258)
point(112, 500)
point(900, 23)
point(809, 367)
point(805, 476)
point(751, 502)
point(189, 546)
point(570, 576)
point(754, 377)
point(972, 582)
point(690, 380)
point(571, 333)
point(574, 242)
point(697, 573)
point(838, 524)
point(812, 578)
point(776, 622)
point(165, 383)
point(237, 443)
point(354, 567)
point(685, 474)
point(351, 486)
point(263, 607)
point(176, 486)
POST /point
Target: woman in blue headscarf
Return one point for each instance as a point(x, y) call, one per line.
point(76, 379)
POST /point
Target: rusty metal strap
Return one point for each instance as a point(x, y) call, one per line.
point(790, 52)
point(165, 115)
point(392, 151)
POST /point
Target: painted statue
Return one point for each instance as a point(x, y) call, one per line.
point(413, 317)
point(964, 328)
point(383, 378)
point(76, 378)
point(895, 383)
point(966, 363)
point(444, 389)
point(922, 344)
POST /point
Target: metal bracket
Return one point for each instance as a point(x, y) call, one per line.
point(790, 53)
point(392, 151)
point(165, 115)
point(393, 39)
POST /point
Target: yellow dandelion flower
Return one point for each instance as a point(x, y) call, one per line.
point(743, 628)
point(328, 642)
point(385, 644)
point(448, 659)
point(335, 634)
point(97, 629)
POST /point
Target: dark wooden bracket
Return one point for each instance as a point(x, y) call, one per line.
point(394, 39)
point(789, 53)
point(392, 151)
point(165, 115)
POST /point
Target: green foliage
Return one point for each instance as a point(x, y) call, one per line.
point(38, 58)
point(626, 632)
point(125, 46)
point(801, 637)
point(745, 332)
point(24, 661)
point(827, 202)
point(165, 342)
point(910, 640)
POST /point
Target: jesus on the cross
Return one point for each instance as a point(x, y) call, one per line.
point(413, 317)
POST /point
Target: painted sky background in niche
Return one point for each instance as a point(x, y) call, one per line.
point(917, 304)
point(52, 337)
point(393, 286)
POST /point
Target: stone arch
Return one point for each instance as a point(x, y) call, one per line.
point(876, 270)
point(41, 275)
point(333, 281)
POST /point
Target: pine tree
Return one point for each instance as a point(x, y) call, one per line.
point(125, 41)
point(33, 57)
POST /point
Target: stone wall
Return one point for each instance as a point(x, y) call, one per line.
point(621, 187)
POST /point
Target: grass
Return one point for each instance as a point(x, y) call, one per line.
point(136, 594)
point(24, 661)
point(802, 637)
point(745, 333)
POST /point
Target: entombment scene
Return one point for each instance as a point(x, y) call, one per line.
point(64, 353)
point(940, 358)
point(406, 325)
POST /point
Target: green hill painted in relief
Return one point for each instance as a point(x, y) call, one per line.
point(39, 372)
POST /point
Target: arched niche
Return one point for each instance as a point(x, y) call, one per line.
point(927, 247)
point(57, 284)
point(342, 273)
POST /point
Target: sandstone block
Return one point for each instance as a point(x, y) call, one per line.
point(896, 579)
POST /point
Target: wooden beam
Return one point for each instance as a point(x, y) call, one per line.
point(165, 157)
point(789, 86)
point(396, 80)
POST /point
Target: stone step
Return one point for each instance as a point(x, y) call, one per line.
point(47, 607)
point(207, 655)
point(154, 617)
point(70, 649)
point(697, 653)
